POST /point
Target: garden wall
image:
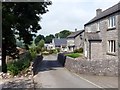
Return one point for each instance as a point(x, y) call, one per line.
point(36, 64)
point(93, 67)
point(61, 59)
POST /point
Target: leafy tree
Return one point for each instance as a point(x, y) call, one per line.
point(48, 39)
point(19, 18)
point(62, 34)
point(38, 38)
point(40, 45)
point(57, 35)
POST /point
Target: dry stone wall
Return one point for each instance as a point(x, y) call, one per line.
point(107, 67)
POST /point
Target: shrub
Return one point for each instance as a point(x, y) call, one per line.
point(78, 50)
point(45, 53)
point(13, 68)
point(16, 66)
point(58, 49)
point(33, 52)
point(52, 51)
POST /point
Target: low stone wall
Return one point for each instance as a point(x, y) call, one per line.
point(36, 64)
point(61, 59)
point(92, 67)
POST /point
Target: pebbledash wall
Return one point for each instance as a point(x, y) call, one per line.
point(91, 67)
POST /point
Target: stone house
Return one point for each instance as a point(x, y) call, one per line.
point(101, 34)
point(49, 46)
point(75, 40)
point(60, 43)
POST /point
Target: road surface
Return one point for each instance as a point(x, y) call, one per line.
point(52, 75)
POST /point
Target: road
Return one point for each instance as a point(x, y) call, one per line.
point(52, 75)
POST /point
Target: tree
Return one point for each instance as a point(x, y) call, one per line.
point(40, 46)
point(38, 38)
point(48, 39)
point(62, 34)
point(19, 18)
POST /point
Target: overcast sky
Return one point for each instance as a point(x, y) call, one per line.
point(71, 14)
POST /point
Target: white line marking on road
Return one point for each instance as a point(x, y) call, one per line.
point(88, 80)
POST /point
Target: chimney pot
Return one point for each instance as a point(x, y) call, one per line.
point(98, 11)
point(75, 29)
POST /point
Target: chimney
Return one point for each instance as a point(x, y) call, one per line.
point(98, 11)
point(75, 29)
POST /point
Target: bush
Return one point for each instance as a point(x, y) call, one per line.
point(78, 50)
point(33, 52)
point(52, 51)
point(58, 49)
point(45, 53)
point(16, 66)
point(13, 68)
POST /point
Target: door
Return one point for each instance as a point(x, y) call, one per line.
point(85, 49)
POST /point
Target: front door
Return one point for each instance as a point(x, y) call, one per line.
point(85, 49)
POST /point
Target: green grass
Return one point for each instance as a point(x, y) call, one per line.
point(73, 55)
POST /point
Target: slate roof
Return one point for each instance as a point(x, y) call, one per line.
point(94, 36)
point(105, 13)
point(74, 34)
point(59, 42)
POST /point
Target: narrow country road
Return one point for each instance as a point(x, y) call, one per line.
point(52, 75)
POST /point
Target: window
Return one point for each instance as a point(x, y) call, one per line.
point(88, 28)
point(98, 26)
point(112, 22)
point(111, 46)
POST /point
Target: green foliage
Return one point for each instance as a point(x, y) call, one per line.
point(78, 50)
point(58, 49)
point(48, 39)
point(73, 55)
point(41, 43)
point(38, 38)
point(33, 52)
point(16, 66)
point(45, 53)
point(63, 34)
point(52, 51)
point(40, 46)
point(21, 19)
point(12, 68)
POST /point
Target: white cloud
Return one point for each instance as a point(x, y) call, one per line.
point(71, 14)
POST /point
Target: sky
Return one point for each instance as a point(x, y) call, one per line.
point(71, 14)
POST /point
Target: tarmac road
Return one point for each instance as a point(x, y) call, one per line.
point(52, 75)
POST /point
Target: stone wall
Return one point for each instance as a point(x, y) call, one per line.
point(90, 67)
point(36, 64)
point(94, 67)
point(61, 59)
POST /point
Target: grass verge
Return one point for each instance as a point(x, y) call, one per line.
point(73, 55)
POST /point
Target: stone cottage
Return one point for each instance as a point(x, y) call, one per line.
point(60, 43)
point(101, 34)
point(75, 40)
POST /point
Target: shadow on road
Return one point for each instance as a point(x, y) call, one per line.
point(47, 65)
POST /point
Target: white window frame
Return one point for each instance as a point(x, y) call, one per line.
point(112, 22)
point(98, 26)
point(111, 46)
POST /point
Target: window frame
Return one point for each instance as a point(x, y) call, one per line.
point(112, 21)
point(98, 26)
point(111, 46)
